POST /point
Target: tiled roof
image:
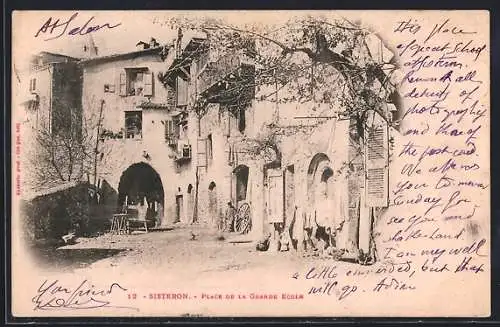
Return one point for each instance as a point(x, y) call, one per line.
point(132, 54)
point(153, 105)
point(49, 188)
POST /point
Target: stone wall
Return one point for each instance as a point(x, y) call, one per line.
point(51, 215)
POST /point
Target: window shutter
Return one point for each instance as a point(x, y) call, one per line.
point(123, 84)
point(182, 95)
point(202, 153)
point(148, 84)
point(170, 124)
point(275, 196)
point(33, 84)
point(227, 123)
point(167, 129)
point(171, 136)
point(170, 96)
point(377, 161)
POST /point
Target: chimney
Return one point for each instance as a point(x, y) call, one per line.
point(142, 45)
point(153, 43)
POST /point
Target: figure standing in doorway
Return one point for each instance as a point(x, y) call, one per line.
point(229, 218)
point(159, 215)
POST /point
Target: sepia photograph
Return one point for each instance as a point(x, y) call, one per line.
point(273, 163)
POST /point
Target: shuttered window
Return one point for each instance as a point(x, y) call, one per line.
point(182, 92)
point(171, 97)
point(133, 124)
point(169, 129)
point(275, 196)
point(148, 84)
point(33, 84)
point(377, 161)
point(202, 152)
point(209, 147)
point(123, 84)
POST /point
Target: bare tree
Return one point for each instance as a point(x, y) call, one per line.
point(65, 146)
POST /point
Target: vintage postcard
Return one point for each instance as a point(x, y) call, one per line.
point(250, 163)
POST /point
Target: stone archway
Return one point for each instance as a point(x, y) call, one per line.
point(321, 197)
point(319, 163)
point(141, 185)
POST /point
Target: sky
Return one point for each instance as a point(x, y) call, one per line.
point(134, 27)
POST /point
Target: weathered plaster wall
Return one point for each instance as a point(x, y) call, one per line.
point(97, 75)
point(119, 154)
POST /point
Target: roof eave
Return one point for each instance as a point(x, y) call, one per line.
point(122, 56)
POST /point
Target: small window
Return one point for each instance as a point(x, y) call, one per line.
point(171, 131)
point(109, 88)
point(148, 85)
point(241, 120)
point(171, 97)
point(136, 82)
point(133, 124)
point(186, 151)
point(209, 147)
point(123, 84)
point(32, 84)
point(182, 92)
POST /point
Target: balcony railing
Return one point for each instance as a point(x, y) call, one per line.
point(227, 65)
point(184, 152)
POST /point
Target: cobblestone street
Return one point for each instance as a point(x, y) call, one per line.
point(193, 249)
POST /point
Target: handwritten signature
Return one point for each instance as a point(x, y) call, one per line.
point(52, 295)
point(57, 27)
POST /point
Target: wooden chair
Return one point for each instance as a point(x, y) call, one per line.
point(119, 223)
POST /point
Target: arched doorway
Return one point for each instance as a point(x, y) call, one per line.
point(190, 203)
point(241, 199)
point(141, 185)
point(179, 206)
point(321, 196)
point(317, 166)
point(241, 182)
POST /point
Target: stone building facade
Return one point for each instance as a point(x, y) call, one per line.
point(50, 98)
point(287, 176)
point(144, 147)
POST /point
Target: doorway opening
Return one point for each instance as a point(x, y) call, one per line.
point(179, 208)
point(212, 204)
point(140, 188)
point(241, 174)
